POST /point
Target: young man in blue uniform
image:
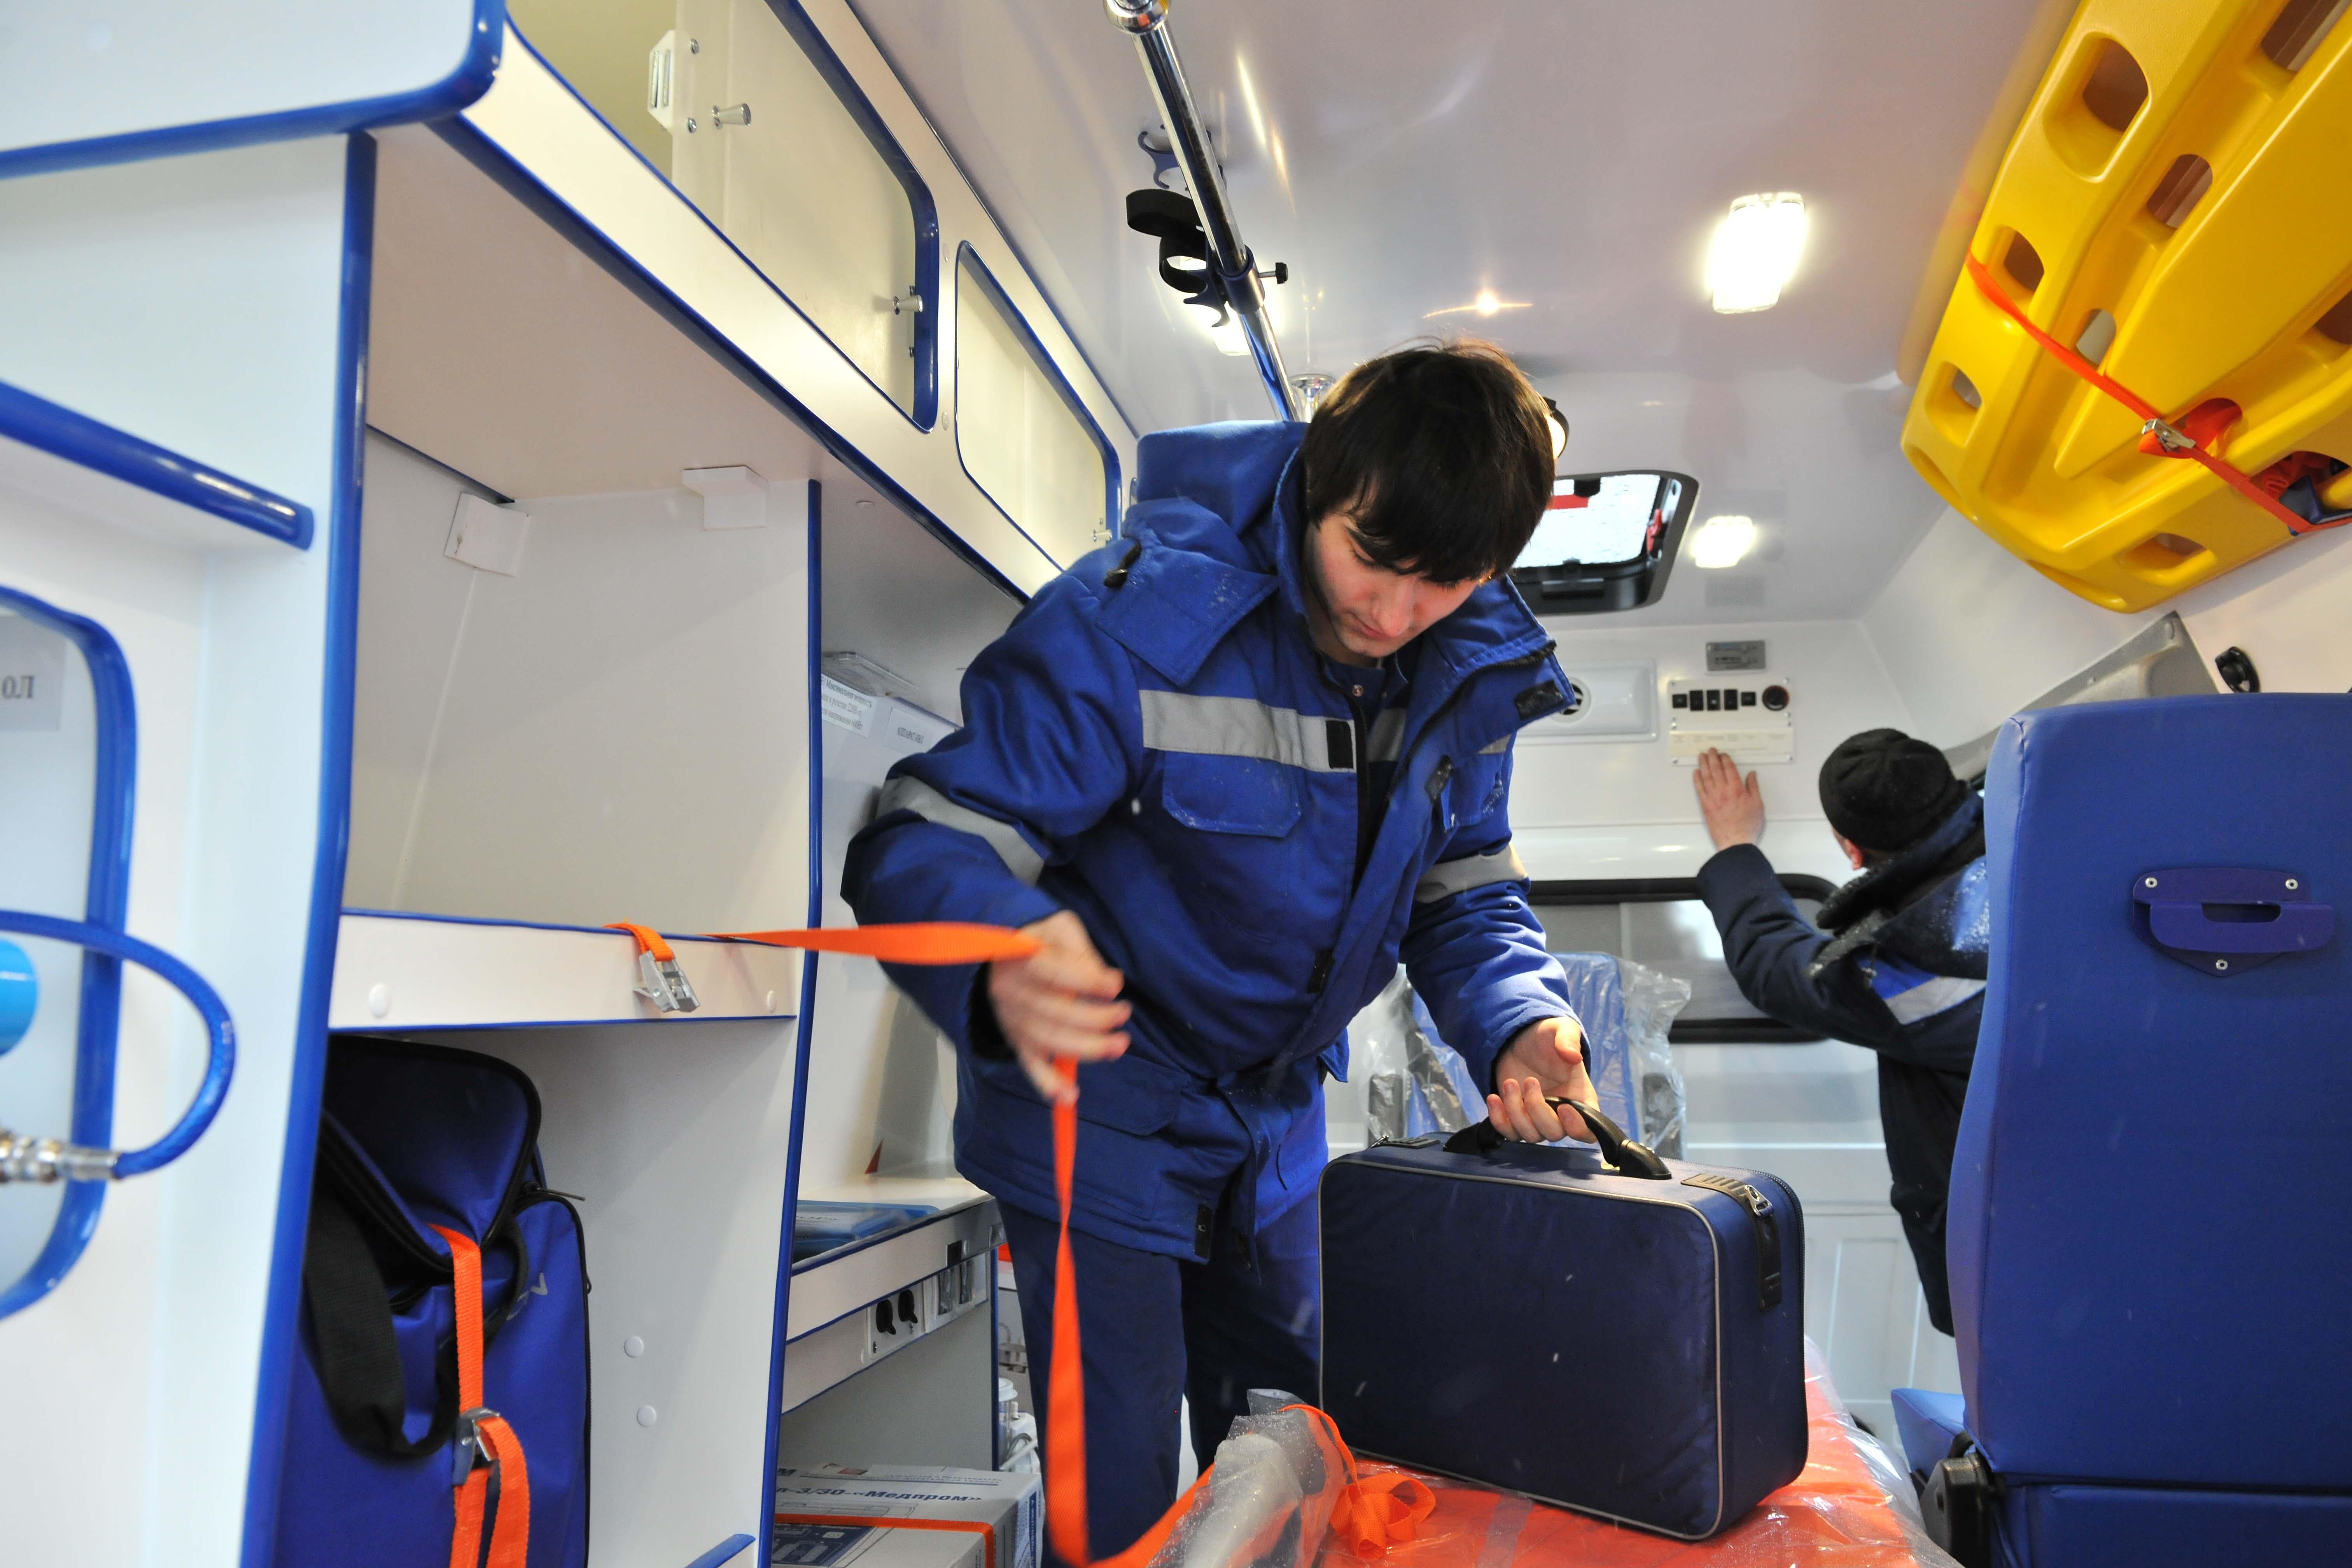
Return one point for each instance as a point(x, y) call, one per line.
point(1229, 768)
point(1898, 963)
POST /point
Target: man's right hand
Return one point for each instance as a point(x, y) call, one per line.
point(1063, 1001)
point(1734, 811)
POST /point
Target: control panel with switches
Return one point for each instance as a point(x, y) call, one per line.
point(1750, 717)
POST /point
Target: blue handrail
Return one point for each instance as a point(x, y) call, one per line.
point(47, 1161)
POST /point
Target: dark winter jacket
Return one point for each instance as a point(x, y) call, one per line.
point(1156, 745)
point(1899, 967)
point(1898, 963)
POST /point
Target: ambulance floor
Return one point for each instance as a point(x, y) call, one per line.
point(1851, 1508)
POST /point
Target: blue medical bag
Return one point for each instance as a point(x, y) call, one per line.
point(412, 1137)
point(1544, 1319)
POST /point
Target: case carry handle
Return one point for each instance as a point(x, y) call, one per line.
point(1630, 1158)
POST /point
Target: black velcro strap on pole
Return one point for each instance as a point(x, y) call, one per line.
point(352, 1343)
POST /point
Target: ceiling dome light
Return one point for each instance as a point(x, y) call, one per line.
point(1722, 541)
point(1487, 302)
point(1755, 251)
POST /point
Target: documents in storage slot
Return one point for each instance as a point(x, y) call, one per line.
point(898, 1516)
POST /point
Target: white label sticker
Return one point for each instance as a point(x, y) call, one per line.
point(914, 730)
point(847, 707)
point(32, 675)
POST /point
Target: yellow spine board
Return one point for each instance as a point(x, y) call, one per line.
point(2183, 169)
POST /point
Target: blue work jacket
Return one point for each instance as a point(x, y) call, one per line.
point(1155, 744)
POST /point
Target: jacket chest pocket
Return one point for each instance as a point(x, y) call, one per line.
point(1231, 794)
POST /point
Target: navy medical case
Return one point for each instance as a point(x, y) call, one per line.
point(1541, 1320)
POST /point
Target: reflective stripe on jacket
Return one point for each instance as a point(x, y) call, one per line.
point(1155, 744)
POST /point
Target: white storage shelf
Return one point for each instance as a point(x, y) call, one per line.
point(830, 1327)
point(424, 971)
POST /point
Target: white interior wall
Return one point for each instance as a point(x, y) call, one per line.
point(881, 1079)
point(1969, 632)
point(617, 731)
point(1594, 808)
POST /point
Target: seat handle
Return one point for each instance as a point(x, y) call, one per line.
point(2225, 919)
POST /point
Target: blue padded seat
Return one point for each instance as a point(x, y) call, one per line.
point(2151, 1209)
point(1927, 1422)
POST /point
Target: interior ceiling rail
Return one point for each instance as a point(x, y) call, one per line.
point(1230, 261)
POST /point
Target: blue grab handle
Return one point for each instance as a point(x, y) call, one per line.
point(219, 1031)
point(2209, 916)
point(2291, 927)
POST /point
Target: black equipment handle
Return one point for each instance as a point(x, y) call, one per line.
point(1628, 1157)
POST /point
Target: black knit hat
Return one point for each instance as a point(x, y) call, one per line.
point(1886, 791)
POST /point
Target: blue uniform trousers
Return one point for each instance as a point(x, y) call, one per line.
point(1158, 1328)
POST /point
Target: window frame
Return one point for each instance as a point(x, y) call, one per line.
point(1604, 587)
point(1055, 378)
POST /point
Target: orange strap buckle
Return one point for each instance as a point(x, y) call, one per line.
point(483, 1431)
point(665, 984)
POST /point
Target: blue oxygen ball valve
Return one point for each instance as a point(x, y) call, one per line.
point(20, 992)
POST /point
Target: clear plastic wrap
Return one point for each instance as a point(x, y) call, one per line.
point(1651, 1000)
point(1265, 1502)
point(1416, 1084)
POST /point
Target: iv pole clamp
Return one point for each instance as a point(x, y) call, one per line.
point(24, 1158)
point(1230, 262)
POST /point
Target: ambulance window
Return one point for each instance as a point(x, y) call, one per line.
point(745, 109)
point(1023, 435)
point(1605, 543)
point(1660, 921)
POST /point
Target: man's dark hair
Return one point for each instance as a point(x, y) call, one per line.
point(1440, 455)
point(1885, 792)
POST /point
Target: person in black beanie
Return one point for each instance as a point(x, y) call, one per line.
point(1897, 961)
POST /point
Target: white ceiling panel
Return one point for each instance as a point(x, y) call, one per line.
point(1570, 155)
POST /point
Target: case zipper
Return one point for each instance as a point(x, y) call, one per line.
point(1766, 1229)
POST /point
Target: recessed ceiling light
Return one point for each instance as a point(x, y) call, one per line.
point(1755, 251)
point(1722, 541)
point(1485, 302)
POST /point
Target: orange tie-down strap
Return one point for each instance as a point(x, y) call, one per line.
point(2197, 435)
point(916, 941)
point(511, 1535)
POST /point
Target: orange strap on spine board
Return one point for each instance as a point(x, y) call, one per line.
point(511, 1536)
point(2196, 435)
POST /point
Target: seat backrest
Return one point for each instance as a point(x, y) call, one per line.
point(2150, 1227)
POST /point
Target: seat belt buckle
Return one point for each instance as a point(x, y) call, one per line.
point(2168, 438)
point(665, 985)
point(466, 1447)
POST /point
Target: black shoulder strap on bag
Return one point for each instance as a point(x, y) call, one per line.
point(358, 1358)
